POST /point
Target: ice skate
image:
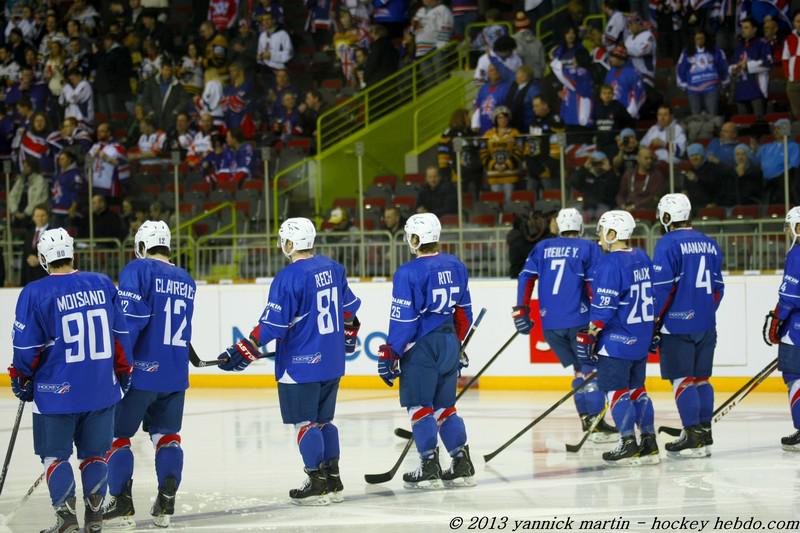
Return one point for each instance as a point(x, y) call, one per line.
point(689, 446)
point(602, 433)
point(66, 520)
point(625, 454)
point(313, 491)
point(428, 474)
point(93, 514)
point(335, 487)
point(708, 440)
point(164, 506)
point(648, 450)
point(461, 472)
point(118, 514)
point(792, 442)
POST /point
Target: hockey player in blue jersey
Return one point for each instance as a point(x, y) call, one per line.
point(71, 359)
point(687, 287)
point(311, 312)
point(430, 313)
point(157, 298)
point(619, 334)
point(784, 326)
point(562, 265)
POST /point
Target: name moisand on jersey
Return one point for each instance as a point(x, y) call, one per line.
point(68, 330)
point(157, 298)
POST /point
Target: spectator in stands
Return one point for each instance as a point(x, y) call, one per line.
point(274, 47)
point(749, 179)
point(54, 68)
point(107, 224)
point(641, 188)
point(9, 69)
point(212, 102)
point(244, 47)
point(163, 95)
point(109, 164)
point(76, 56)
point(286, 120)
point(30, 268)
point(571, 65)
point(616, 30)
point(182, 136)
point(222, 14)
point(202, 141)
point(84, 13)
point(152, 144)
point(215, 46)
point(791, 66)
point(721, 150)
point(281, 86)
point(17, 45)
point(773, 37)
point(33, 145)
point(51, 33)
point(465, 12)
point(157, 212)
point(240, 157)
point(393, 221)
point(529, 49)
point(752, 61)
point(593, 42)
point(320, 20)
point(268, 6)
point(625, 82)
point(112, 80)
point(770, 158)
point(239, 103)
point(520, 98)
point(597, 182)
point(347, 38)
point(641, 46)
point(492, 95)
point(656, 138)
point(702, 72)
point(71, 134)
point(310, 110)
point(437, 196)
point(541, 155)
point(190, 71)
point(432, 26)
point(215, 160)
point(30, 189)
point(708, 184)
point(502, 151)
point(610, 117)
point(28, 88)
point(24, 117)
point(77, 98)
point(152, 59)
point(526, 231)
point(471, 167)
point(392, 14)
point(503, 56)
point(491, 32)
point(66, 190)
point(155, 30)
point(382, 60)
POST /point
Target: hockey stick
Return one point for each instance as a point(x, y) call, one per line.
point(11, 443)
point(373, 479)
point(575, 448)
point(539, 418)
point(199, 363)
point(24, 499)
point(734, 398)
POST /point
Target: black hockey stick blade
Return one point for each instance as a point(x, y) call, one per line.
point(403, 433)
point(199, 363)
point(575, 448)
point(374, 479)
point(11, 443)
point(570, 394)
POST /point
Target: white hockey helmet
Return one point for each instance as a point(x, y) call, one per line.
point(618, 220)
point(425, 226)
point(53, 245)
point(150, 234)
point(791, 221)
point(677, 206)
point(300, 231)
point(569, 219)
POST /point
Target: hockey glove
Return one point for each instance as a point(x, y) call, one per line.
point(239, 356)
point(21, 386)
point(522, 318)
point(388, 364)
point(772, 326)
point(586, 344)
point(351, 335)
point(124, 378)
point(463, 362)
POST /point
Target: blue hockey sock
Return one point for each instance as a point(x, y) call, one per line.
point(120, 466)
point(593, 398)
point(423, 426)
point(794, 401)
point(622, 411)
point(169, 458)
point(705, 395)
point(311, 444)
point(330, 437)
point(644, 410)
point(580, 396)
point(94, 476)
point(687, 400)
point(451, 430)
point(60, 480)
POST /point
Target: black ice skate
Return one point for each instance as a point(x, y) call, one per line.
point(314, 490)
point(792, 442)
point(119, 512)
point(707, 438)
point(603, 432)
point(625, 454)
point(428, 474)
point(93, 514)
point(689, 445)
point(164, 506)
point(461, 472)
point(335, 487)
point(648, 450)
point(66, 521)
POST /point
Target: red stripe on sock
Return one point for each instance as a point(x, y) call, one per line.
point(422, 413)
point(447, 413)
point(700, 381)
point(683, 386)
point(795, 397)
point(617, 395)
point(90, 460)
point(637, 393)
point(51, 469)
point(302, 432)
point(167, 439)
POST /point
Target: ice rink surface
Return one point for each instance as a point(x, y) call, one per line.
point(240, 463)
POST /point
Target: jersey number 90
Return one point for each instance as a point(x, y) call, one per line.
point(74, 329)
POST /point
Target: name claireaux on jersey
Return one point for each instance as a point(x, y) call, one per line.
point(175, 288)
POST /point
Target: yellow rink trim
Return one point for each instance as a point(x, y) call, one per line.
point(721, 384)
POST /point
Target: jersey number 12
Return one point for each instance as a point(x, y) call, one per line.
point(178, 309)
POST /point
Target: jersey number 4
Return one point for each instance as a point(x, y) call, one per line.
point(74, 326)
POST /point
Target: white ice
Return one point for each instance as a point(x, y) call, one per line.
point(241, 462)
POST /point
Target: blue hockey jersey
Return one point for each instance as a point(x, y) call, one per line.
point(428, 292)
point(70, 336)
point(308, 303)
point(157, 298)
point(752, 83)
point(563, 267)
point(788, 309)
point(570, 66)
point(687, 281)
point(489, 97)
point(622, 304)
point(702, 72)
point(628, 87)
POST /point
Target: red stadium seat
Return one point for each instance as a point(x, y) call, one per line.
point(388, 181)
point(716, 213)
point(253, 185)
point(551, 194)
point(524, 196)
point(449, 221)
point(743, 120)
point(375, 202)
point(483, 220)
point(227, 186)
point(333, 83)
point(418, 179)
point(776, 211)
point(244, 207)
point(152, 189)
point(507, 219)
point(302, 143)
point(408, 202)
point(745, 211)
point(493, 198)
point(200, 186)
point(644, 215)
point(369, 224)
point(170, 187)
point(345, 203)
point(467, 200)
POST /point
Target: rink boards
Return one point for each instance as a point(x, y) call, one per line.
point(224, 312)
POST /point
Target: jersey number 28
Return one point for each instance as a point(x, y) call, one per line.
point(640, 299)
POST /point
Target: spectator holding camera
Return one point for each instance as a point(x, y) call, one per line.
point(641, 187)
point(610, 116)
point(627, 153)
point(707, 184)
point(598, 183)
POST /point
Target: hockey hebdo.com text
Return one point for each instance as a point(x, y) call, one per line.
point(506, 523)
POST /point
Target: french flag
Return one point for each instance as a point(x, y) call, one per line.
point(746, 9)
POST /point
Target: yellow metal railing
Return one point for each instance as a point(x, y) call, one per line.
point(310, 168)
point(540, 23)
point(188, 228)
point(434, 117)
